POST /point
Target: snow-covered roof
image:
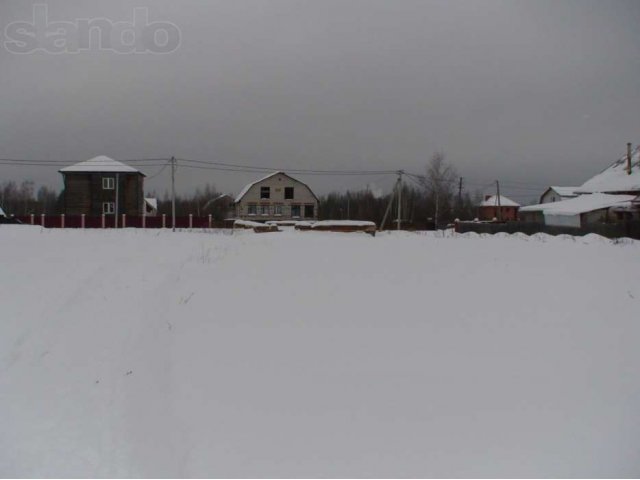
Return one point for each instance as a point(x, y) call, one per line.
point(244, 191)
point(581, 204)
point(492, 201)
point(615, 177)
point(100, 163)
point(152, 202)
point(565, 191)
point(2, 214)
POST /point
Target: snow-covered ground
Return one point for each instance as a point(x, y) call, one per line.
point(147, 353)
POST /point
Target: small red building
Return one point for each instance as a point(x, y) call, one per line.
point(501, 208)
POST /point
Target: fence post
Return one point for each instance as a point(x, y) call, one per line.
point(32, 219)
point(144, 221)
point(209, 220)
point(103, 222)
point(190, 221)
point(62, 221)
point(42, 220)
point(124, 220)
point(164, 220)
point(82, 220)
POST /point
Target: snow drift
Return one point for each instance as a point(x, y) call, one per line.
point(147, 353)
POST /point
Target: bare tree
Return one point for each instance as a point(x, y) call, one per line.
point(438, 181)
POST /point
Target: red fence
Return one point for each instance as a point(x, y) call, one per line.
point(124, 221)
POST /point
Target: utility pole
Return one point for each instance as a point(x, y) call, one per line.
point(173, 193)
point(460, 193)
point(386, 212)
point(498, 201)
point(117, 200)
point(400, 172)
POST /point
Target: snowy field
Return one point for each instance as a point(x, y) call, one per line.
point(310, 354)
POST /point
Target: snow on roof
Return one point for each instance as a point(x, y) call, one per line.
point(615, 177)
point(492, 201)
point(565, 191)
point(100, 163)
point(580, 204)
point(2, 214)
point(152, 202)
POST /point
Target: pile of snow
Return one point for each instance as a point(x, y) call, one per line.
point(247, 224)
point(492, 201)
point(342, 223)
point(165, 354)
point(616, 178)
point(581, 204)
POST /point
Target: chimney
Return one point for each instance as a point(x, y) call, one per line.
point(487, 197)
point(628, 158)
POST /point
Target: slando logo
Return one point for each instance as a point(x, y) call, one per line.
point(85, 34)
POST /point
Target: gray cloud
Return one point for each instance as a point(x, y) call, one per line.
point(541, 92)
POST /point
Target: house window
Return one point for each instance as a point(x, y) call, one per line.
point(265, 192)
point(108, 183)
point(108, 208)
point(288, 193)
point(252, 209)
point(308, 211)
point(264, 209)
point(295, 210)
point(277, 209)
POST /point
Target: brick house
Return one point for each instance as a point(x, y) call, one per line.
point(103, 185)
point(501, 208)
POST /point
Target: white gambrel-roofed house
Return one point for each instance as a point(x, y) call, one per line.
point(278, 196)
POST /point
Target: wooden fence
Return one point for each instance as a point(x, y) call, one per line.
point(628, 228)
point(123, 221)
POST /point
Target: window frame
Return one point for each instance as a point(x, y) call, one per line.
point(313, 211)
point(109, 184)
point(263, 191)
point(108, 208)
point(250, 207)
point(286, 190)
point(297, 206)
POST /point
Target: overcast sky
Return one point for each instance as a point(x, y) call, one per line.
point(534, 92)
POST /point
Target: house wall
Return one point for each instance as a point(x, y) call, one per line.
point(302, 196)
point(536, 217)
point(491, 212)
point(550, 196)
point(84, 194)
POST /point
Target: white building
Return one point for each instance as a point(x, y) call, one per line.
point(580, 211)
point(558, 194)
point(277, 196)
